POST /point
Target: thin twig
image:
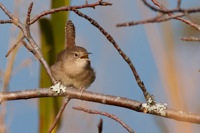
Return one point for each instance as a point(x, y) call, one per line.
point(26, 32)
point(100, 126)
point(68, 8)
point(166, 11)
point(62, 108)
point(112, 116)
point(156, 19)
point(170, 12)
point(191, 39)
point(14, 46)
point(149, 98)
point(5, 21)
point(6, 11)
point(29, 13)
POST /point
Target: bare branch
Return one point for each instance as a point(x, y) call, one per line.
point(170, 13)
point(191, 39)
point(6, 11)
point(166, 11)
point(156, 19)
point(29, 13)
point(100, 126)
point(26, 32)
point(112, 116)
point(68, 8)
point(100, 98)
point(62, 108)
point(149, 98)
point(5, 21)
point(14, 46)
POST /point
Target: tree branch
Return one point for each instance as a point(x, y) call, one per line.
point(112, 116)
point(26, 32)
point(69, 8)
point(191, 39)
point(100, 126)
point(176, 10)
point(163, 10)
point(186, 21)
point(5, 21)
point(102, 99)
point(14, 46)
point(149, 98)
point(156, 19)
point(66, 101)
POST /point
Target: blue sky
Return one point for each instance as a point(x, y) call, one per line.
point(114, 76)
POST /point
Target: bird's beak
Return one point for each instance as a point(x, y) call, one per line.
point(85, 56)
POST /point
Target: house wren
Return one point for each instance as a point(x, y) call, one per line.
point(72, 67)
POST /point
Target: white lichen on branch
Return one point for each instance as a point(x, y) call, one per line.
point(58, 88)
point(157, 108)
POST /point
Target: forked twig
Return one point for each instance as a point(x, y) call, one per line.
point(170, 12)
point(166, 11)
point(26, 32)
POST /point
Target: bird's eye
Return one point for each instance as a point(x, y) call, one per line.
point(75, 55)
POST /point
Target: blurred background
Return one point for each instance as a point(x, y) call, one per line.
point(168, 67)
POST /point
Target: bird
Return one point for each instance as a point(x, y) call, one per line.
point(73, 66)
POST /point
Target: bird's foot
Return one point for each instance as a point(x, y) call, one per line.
point(58, 88)
point(82, 89)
